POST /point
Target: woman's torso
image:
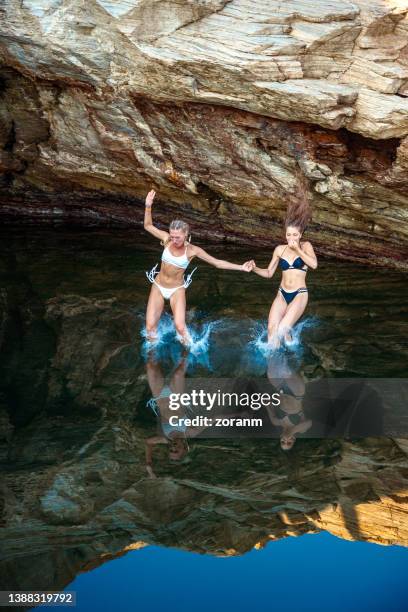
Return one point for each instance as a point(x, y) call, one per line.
point(164, 414)
point(290, 405)
point(174, 262)
point(293, 278)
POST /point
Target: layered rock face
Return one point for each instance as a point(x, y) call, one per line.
point(217, 104)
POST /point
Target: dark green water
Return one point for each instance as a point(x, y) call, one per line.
point(74, 424)
point(355, 323)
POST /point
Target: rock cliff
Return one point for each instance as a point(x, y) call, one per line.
point(217, 104)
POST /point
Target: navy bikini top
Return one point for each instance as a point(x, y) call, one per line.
point(294, 417)
point(298, 264)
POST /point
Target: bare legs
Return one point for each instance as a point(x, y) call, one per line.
point(276, 314)
point(155, 306)
point(283, 316)
point(178, 307)
point(154, 376)
point(154, 310)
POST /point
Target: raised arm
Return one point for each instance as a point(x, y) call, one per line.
point(220, 263)
point(148, 221)
point(270, 270)
point(150, 443)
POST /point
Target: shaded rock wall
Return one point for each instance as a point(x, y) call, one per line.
point(217, 105)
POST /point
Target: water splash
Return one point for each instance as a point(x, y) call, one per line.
point(296, 344)
point(165, 332)
point(228, 345)
point(259, 344)
point(201, 339)
point(168, 342)
point(200, 346)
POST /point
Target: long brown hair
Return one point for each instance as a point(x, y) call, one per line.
point(298, 213)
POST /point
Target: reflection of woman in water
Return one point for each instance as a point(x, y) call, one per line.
point(289, 414)
point(293, 258)
point(173, 435)
point(170, 284)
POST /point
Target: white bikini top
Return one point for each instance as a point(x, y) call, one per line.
point(181, 261)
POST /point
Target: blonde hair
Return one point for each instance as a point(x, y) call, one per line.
point(178, 224)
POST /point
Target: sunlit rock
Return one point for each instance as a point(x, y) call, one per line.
point(110, 98)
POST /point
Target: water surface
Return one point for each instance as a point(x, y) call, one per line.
point(74, 424)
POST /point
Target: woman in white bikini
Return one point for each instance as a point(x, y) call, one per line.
point(169, 283)
point(294, 258)
point(173, 435)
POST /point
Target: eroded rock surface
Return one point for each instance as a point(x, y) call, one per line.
point(217, 104)
point(85, 503)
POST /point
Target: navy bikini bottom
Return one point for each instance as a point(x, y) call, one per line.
point(290, 295)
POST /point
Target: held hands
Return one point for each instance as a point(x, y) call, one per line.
point(150, 198)
point(248, 266)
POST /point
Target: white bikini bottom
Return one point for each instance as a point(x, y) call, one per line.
point(167, 292)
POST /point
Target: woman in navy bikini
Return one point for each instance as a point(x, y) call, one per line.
point(169, 283)
point(294, 258)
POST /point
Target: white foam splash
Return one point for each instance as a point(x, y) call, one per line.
point(260, 344)
point(201, 339)
point(164, 345)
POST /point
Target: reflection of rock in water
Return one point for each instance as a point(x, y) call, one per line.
point(81, 504)
point(75, 490)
